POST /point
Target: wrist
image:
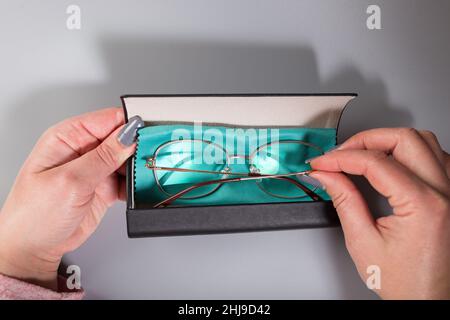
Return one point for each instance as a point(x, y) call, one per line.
point(24, 264)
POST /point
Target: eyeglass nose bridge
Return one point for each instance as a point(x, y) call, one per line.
point(242, 156)
point(241, 159)
point(252, 168)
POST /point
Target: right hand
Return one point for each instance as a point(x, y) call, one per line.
point(412, 246)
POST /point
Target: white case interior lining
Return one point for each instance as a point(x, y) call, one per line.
point(315, 111)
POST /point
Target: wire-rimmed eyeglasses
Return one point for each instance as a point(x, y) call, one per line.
point(182, 172)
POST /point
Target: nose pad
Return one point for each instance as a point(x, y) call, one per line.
point(255, 170)
point(238, 159)
point(225, 171)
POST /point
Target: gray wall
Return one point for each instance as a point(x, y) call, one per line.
point(48, 73)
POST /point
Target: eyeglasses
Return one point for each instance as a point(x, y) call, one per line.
point(194, 168)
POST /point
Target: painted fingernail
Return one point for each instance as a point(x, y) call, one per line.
point(127, 136)
point(326, 152)
point(311, 181)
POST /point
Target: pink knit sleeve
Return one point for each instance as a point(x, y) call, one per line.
point(14, 289)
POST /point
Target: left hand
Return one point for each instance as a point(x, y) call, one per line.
point(61, 194)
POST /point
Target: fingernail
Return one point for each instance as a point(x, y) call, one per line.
point(326, 152)
point(311, 181)
point(127, 136)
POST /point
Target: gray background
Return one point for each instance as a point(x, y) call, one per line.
point(49, 73)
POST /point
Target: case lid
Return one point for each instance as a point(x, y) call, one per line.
point(306, 110)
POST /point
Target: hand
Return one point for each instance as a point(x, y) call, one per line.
point(61, 194)
point(412, 246)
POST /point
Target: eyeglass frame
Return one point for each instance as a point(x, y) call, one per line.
point(251, 175)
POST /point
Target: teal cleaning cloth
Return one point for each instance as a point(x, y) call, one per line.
point(147, 192)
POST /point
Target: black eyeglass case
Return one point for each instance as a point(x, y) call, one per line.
point(269, 110)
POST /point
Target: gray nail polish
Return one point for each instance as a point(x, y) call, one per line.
point(311, 181)
point(326, 152)
point(127, 136)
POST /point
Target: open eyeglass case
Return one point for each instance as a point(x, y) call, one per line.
point(242, 207)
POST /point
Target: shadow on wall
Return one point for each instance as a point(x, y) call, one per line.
point(144, 66)
point(164, 66)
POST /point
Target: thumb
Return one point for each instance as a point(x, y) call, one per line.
point(356, 220)
point(96, 165)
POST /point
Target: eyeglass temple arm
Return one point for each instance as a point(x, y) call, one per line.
point(168, 201)
point(151, 167)
point(314, 196)
point(247, 174)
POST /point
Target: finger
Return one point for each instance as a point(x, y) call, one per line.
point(407, 147)
point(73, 137)
point(97, 124)
point(433, 143)
point(356, 220)
point(96, 165)
point(387, 176)
point(447, 163)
